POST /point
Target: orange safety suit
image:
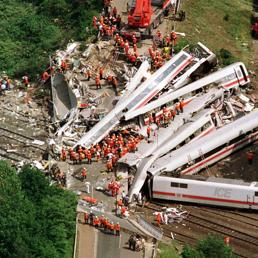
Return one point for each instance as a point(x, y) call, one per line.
point(89, 157)
point(97, 81)
point(117, 229)
point(45, 76)
point(86, 217)
point(84, 173)
point(101, 73)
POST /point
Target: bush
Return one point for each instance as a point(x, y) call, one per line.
point(225, 57)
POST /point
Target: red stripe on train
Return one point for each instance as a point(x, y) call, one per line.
point(156, 91)
point(196, 197)
point(218, 154)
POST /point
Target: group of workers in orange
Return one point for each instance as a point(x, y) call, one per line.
point(124, 46)
point(168, 40)
point(165, 117)
point(111, 79)
point(113, 147)
point(158, 57)
point(114, 187)
point(108, 23)
point(102, 222)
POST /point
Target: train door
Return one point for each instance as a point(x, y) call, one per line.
point(250, 199)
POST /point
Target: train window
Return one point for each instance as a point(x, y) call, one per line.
point(183, 186)
point(255, 193)
point(174, 184)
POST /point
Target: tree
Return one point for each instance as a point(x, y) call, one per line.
point(36, 219)
point(212, 246)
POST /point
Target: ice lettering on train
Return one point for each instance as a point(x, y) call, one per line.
point(222, 192)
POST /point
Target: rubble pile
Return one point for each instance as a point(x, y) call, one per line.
point(89, 104)
point(23, 127)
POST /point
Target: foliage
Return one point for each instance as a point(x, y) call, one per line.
point(167, 251)
point(32, 29)
point(212, 246)
point(36, 219)
point(225, 57)
point(191, 252)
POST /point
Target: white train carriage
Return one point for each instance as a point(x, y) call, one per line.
point(194, 156)
point(211, 191)
point(229, 77)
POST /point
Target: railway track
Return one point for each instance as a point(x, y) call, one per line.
point(24, 145)
point(241, 239)
point(237, 216)
point(18, 137)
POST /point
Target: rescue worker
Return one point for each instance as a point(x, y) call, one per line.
point(45, 76)
point(109, 166)
point(159, 35)
point(98, 156)
point(94, 22)
point(117, 229)
point(64, 65)
point(25, 80)
point(119, 202)
point(91, 216)
point(81, 157)
point(89, 156)
point(151, 53)
point(86, 217)
point(84, 173)
point(173, 37)
point(63, 154)
point(101, 73)
point(96, 222)
point(123, 211)
point(250, 157)
point(105, 223)
point(112, 228)
point(158, 218)
point(97, 82)
point(109, 79)
point(167, 40)
point(227, 241)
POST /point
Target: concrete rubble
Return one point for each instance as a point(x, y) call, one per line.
point(171, 215)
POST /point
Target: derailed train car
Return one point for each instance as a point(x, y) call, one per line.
point(211, 191)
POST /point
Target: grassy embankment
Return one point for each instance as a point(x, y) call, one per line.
point(220, 25)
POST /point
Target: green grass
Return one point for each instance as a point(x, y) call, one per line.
point(167, 251)
point(223, 24)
